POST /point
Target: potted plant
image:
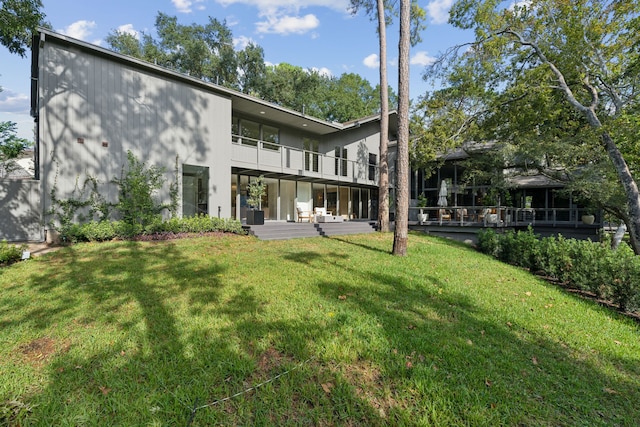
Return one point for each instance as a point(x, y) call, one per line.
point(588, 217)
point(256, 191)
point(422, 203)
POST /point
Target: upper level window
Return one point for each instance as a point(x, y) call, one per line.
point(311, 156)
point(341, 161)
point(250, 132)
point(373, 162)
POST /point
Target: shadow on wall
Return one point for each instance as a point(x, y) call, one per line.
point(20, 218)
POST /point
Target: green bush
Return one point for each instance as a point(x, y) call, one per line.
point(585, 265)
point(10, 253)
point(98, 231)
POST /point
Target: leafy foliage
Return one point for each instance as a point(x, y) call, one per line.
point(10, 253)
point(10, 145)
point(556, 83)
point(18, 21)
point(585, 265)
point(137, 185)
point(256, 191)
point(100, 231)
point(206, 52)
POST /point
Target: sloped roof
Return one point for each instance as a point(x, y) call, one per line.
point(240, 101)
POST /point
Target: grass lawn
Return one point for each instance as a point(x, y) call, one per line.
point(333, 331)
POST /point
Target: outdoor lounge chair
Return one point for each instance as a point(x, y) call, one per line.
point(303, 215)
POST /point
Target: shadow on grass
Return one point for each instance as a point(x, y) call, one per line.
point(371, 348)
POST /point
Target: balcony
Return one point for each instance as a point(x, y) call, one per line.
point(265, 156)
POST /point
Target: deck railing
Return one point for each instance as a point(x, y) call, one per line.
point(499, 216)
point(263, 155)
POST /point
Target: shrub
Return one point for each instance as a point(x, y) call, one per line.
point(585, 265)
point(137, 186)
point(99, 231)
point(10, 253)
point(488, 242)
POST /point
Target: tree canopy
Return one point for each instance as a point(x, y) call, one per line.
point(18, 21)
point(555, 81)
point(206, 52)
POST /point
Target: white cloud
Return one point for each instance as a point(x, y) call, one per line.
point(289, 5)
point(239, 43)
point(371, 61)
point(422, 58)
point(522, 4)
point(80, 30)
point(288, 24)
point(438, 11)
point(323, 71)
point(11, 102)
point(284, 17)
point(128, 29)
point(183, 6)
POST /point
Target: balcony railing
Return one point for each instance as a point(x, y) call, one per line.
point(499, 216)
point(267, 156)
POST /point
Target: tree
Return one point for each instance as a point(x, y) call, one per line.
point(562, 75)
point(293, 87)
point(202, 51)
point(401, 232)
point(11, 147)
point(251, 68)
point(383, 179)
point(384, 18)
point(18, 21)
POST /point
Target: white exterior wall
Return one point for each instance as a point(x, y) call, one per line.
point(83, 95)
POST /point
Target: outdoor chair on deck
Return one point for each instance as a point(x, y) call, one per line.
point(303, 215)
point(320, 212)
point(444, 215)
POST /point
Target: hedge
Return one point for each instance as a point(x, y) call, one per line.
point(582, 264)
point(97, 231)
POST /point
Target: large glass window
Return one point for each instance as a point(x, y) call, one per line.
point(287, 200)
point(195, 193)
point(355, 203)
point(373, 162)
point(271, 137)
point(341, 161)
point(250, 132)
point(332, 199)
point(318, 196)
point(343, 202)
point(311, 156)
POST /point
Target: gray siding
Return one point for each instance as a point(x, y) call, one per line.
point(83, 95)
point(20, 218)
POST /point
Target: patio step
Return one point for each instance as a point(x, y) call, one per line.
point(282, 230)
point(349, 227)
point(296, 230)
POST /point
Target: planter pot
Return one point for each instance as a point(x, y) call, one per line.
point(423, 217)
point(255, 217)
point(588, 219)
point(52, 236)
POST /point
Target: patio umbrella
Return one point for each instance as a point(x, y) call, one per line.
point(442, 196)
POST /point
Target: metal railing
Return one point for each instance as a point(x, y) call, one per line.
point(500, 216)
point(269, 156)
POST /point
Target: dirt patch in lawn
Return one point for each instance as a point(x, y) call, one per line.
point(40, 350)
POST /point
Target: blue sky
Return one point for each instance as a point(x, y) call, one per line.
point(315, 34)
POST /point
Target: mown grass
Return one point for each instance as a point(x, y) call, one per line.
point(142, 333)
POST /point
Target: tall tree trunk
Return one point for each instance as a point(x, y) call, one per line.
point(630, 190)
point(401, 233)
point(383, 193)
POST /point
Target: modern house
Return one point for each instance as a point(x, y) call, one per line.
point(92, 106)
point(454, 202)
